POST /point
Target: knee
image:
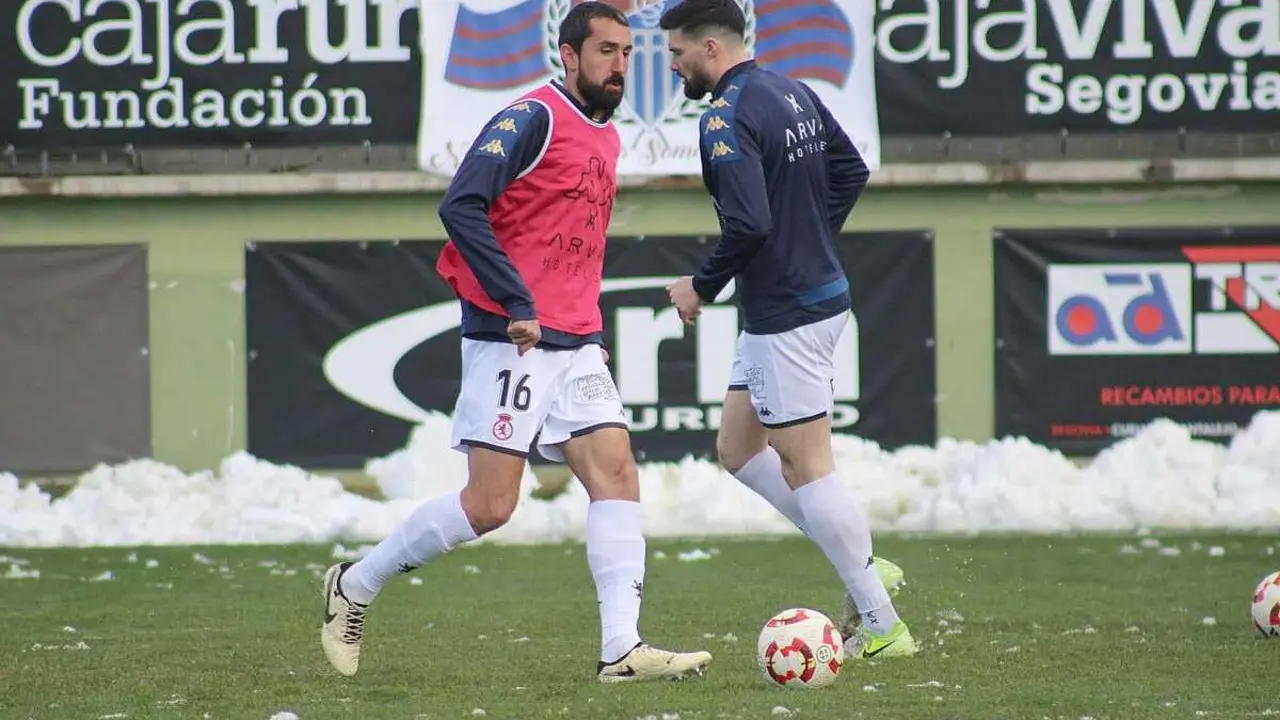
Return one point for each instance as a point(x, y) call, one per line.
point(734, 456)
point(794, 473)
point(612, 477)
point(805, 465)
point(618, 478)
point(488, 510)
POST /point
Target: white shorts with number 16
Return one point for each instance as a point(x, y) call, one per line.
point(507, 399)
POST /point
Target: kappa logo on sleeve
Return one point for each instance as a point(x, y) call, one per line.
point(500, 135)
point(719, 140)
point(715, 123)
point(493, 147)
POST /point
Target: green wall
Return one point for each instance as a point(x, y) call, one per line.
point(196, 265)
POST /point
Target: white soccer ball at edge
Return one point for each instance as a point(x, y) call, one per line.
point(1266, 606)
point(800, 648)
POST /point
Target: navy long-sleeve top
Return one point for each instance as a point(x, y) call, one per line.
point(784, 177)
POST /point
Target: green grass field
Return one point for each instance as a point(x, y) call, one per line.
point(1014, 627)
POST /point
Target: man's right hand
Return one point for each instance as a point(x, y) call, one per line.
point(525, 334)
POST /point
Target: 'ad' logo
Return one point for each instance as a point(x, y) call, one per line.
point(1224, 301)
point(1119, 309)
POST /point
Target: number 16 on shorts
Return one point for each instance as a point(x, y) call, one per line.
point(503, 398)
point(514, 395)
point(507, 399)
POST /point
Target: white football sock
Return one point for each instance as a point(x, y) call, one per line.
point(763, 474)
point(615, 553)
point(837, 525)
point(434, 529)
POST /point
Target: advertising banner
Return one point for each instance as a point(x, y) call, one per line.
point(480, 55)
point(353, 343)
point(209, 73)
point(1013, 67)
point(1101, 331)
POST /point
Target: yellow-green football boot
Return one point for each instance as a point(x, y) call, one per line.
point(894, 580)
point(896, 643)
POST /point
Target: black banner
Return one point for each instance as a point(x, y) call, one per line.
point(209, 74)
point(1017, 67)
point(352, 343)
point(1101, 331)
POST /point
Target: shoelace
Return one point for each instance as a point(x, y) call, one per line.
point(353, 630)
point(648, 651)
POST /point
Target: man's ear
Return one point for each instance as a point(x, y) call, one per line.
point(568, 58)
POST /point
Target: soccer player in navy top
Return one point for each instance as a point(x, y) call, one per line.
point(783, 177)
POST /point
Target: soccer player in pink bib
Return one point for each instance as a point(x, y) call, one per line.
point(526, 215)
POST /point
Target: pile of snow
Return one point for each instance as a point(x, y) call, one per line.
point(1159, 478)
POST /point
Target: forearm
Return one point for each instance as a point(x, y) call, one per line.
point(731, 256)
point(466, 219)
point(848, 175)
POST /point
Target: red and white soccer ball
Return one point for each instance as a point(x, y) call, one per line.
point(800, 648)
point(1266, 606)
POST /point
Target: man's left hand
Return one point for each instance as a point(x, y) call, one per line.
point(686, 299)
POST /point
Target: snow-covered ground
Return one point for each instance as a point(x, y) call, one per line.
point(1158, 478)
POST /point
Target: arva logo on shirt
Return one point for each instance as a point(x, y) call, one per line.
point(653, 378)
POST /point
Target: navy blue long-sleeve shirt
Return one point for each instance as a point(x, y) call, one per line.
point(481, 177)
point(783, 176)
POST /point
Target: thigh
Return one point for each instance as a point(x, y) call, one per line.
point(505, 396)
point(790, 375)
point(585, 402)
point(603, 463)
point(741, 436)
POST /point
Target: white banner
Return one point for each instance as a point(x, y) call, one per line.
point(479, 55)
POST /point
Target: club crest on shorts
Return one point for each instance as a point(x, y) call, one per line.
point(502, 427)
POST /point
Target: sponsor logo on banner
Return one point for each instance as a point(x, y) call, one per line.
point(1183, 324)
point(640, 333)
point(362, 364)
point(1119, 309)
point(1148, 309)
point(481, 54)
point(1079, 64)
point(192, 71)
point(1243, 307)
point(351, 349)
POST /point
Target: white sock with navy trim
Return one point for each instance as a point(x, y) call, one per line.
point(763, 474)
point(434, 529)
point(838, 526)
point(615, 553)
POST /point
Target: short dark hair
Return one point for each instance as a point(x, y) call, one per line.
point(696, 17)
point(576, 26)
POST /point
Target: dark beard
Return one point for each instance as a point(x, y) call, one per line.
point(697, 86)
point(601, 97)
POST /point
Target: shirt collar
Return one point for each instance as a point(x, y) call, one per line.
point(730, 74)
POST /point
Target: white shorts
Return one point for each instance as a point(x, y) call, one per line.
point(507, 400)
point(790, 375)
